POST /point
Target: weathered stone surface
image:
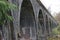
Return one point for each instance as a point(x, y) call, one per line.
point(27, 21)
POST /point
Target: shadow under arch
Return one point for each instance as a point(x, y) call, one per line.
point(47, 26)
point(7, 29)
point(11, 27)
point(41, 20)
point(27, 20)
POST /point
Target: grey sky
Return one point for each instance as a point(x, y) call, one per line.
point(53, 4)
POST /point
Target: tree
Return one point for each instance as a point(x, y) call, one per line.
point(57, 29)
point(57, 17)
point(5, 7)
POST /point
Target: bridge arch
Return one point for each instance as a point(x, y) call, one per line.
point(40, 16)
point(27, 19)
point(47, 24)
point(41, 20)
point(11, 27)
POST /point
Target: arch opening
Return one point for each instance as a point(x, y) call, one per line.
point(27, 20)
point(10, 28)
point(50, 24)
point(47, 26)
point(41, 20)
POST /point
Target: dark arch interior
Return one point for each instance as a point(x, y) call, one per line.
point(50, 24)
point(41, 20)
point(10, 24)
point(47, 27)
point(10, 28)
point(27, 13)
point(26, 18)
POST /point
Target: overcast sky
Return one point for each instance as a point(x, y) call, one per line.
point(53, 4)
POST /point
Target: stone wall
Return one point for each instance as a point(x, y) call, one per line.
point(27, 17)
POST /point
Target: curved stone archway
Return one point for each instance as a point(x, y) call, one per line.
point(41, 20)
point(10, 28)
point(47, 25)
point(40, 16)
point(27, 20)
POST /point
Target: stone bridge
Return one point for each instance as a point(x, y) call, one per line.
point(32, 21)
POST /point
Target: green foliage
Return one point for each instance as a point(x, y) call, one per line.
point(56, 30)
point(5, 7)
point(54, 38)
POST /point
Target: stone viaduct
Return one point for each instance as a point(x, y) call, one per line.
point(32, 21)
